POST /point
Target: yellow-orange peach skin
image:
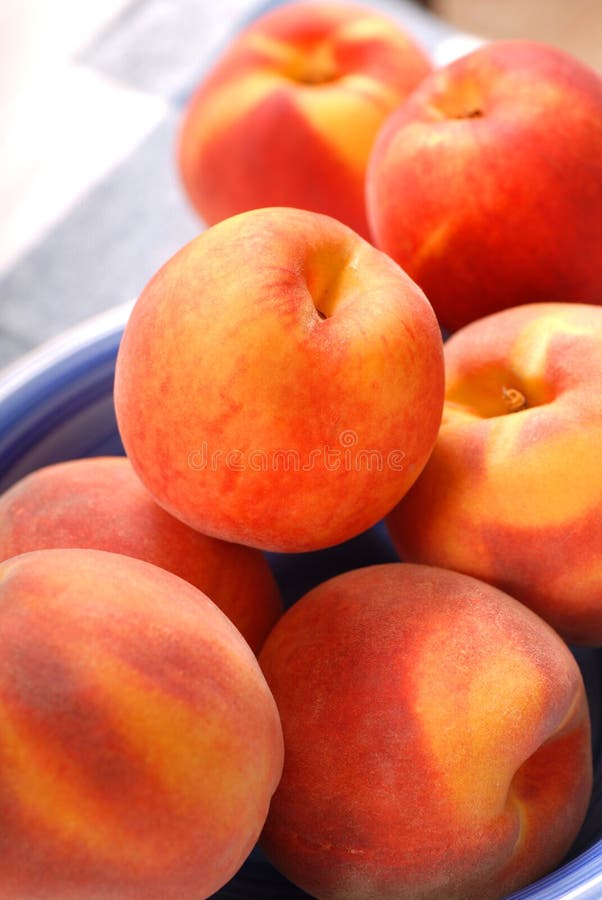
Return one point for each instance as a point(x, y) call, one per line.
point(288, 115)
point(486, 185)
point(280, 382)
point(512, 493)
point(100, 503)
point(139, 743)
point(437, 739)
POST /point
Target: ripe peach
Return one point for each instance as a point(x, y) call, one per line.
point(288, 115)
point(512, 493)
point(486, 185)
point(139, 743)
point(280, 382)
point(101, 504)
point(437, 739)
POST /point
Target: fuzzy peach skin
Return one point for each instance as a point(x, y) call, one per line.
point(100, 503)
point(512, 493)
point(280, 382)
point(139, 743)
point(437, 739)
point(288, 115)
point(486, 185)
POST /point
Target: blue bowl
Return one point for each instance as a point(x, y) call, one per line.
point(56, 404)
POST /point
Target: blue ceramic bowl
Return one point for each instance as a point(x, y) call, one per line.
point(56, 404)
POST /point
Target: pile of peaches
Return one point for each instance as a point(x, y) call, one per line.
point(416, 730)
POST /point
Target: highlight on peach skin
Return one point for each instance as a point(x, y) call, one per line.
point(140, 745)
point(512, 492)
point(486, 184)
point(288, 115)
point(280, 382)
point(100, 503)
point(437, 739)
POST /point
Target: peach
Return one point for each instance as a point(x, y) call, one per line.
point(101, 504)
point(512, 492)
point(139, 743)
point(280, 382)
point(437, 739)
point(486, 185)
point(288, 115)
